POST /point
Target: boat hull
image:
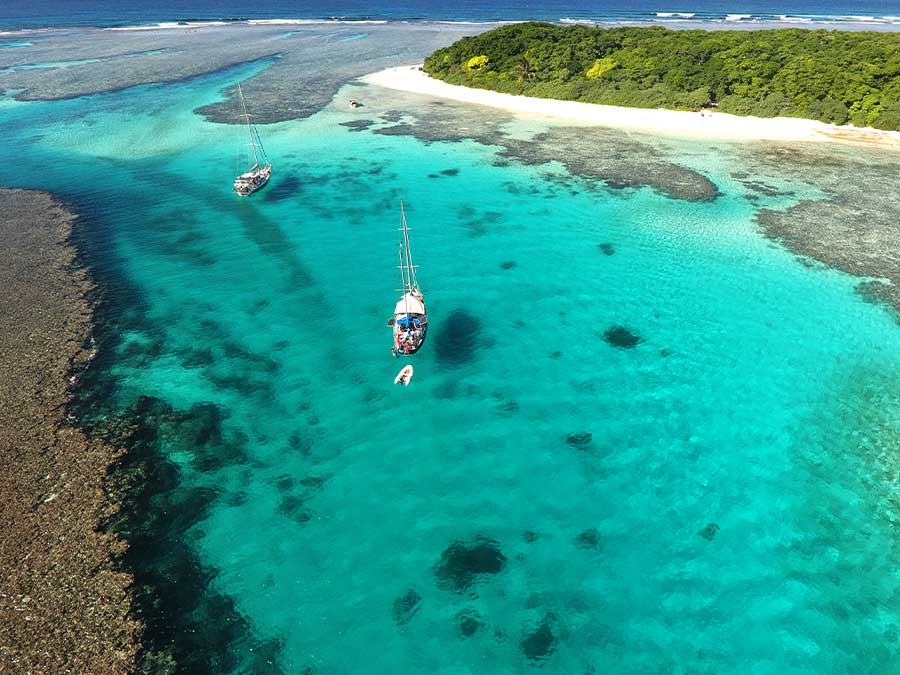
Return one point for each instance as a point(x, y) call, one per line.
point(248, 183)
point(407, 345)
point(409, 323)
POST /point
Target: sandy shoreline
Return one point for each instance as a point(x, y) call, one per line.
point(716, 126)
point(63, 605)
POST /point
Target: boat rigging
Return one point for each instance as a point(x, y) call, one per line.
point(409, 322)
point(257, 175)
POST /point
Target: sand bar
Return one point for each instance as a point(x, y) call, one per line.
point(712, 126)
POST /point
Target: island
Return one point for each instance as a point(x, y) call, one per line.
point(837, 77)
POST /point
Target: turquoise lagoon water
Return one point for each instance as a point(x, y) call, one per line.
point(759, 408)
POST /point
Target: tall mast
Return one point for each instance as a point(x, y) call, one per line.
point(246, 116)
point(411, 281)
point(401, 268)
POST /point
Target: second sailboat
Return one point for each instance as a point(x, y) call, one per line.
point(410, 323)
point(257, 175)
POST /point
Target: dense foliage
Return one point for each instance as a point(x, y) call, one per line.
point(833, 76)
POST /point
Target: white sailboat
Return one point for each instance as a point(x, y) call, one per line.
point(410, 322)
point(257, 175)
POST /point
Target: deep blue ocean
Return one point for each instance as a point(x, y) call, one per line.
point(42, 13)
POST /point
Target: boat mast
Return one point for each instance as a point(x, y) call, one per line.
point(407, 269)
point(401, 267)
point(246, 116)
point(411, 281)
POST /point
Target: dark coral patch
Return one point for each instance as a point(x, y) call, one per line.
point(248, 359)
point(588, 539)
point(447, 389)
point(284, 482)
point(621, 337)
point(240, 384)
point(238, 498)
point(462, 563)
point(529, 537)
point(357, 125)
point(292, 507)
point(405, 606)
point(766, 190)
point(468, 621)
point(397, 130)
point(540, 643)
point(193, 626)
point(556, 355)
point(508, 407)
point(300, 443)
point(457, 339)
point(202, 425)
point(139, 353)
point(199, 430)
point(580, 439)
point(709, 531)
point(313, 482)
point(478, 226)
point(371, 395)
point(393, 115)
point(508, 265)
point(607, 249)
point(197, 358)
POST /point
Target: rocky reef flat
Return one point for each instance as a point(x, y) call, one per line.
point(63, 605)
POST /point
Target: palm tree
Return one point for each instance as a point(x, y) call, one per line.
point(523, 70)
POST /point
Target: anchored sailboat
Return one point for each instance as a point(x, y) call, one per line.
point(409, 322)
point(257, 175)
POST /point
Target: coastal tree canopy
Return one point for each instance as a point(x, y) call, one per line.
point(832, 76)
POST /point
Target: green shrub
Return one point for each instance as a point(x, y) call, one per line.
point(600, 68)
point(477, 62)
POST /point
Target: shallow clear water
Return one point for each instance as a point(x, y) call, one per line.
point(760, 399)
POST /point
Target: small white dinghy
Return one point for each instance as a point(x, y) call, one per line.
point(404, 376)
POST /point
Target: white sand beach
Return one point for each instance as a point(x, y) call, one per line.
point(713, 126)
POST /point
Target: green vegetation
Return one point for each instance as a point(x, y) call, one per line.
point(833, 76)
point(477, 62)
